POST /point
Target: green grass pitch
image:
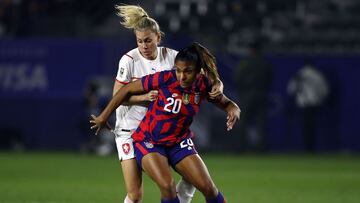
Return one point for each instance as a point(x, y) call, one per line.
point(67, 177)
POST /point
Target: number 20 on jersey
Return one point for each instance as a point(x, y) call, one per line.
point(173, 105)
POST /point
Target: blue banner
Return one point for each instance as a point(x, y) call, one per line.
point(43, 68)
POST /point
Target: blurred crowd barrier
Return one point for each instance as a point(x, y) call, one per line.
point(48, 88)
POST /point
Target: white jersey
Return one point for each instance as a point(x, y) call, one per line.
point(133, 66)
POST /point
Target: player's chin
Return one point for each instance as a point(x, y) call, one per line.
point(184, 85)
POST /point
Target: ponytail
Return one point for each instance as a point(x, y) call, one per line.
point(136, 18)
point(208, 62)
point(205, 62)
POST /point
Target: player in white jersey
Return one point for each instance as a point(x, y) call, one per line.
point(133, 66)
point(146, 59)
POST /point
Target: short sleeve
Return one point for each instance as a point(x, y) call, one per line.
point(172, 53)
point(154, 81)
point(124, 73)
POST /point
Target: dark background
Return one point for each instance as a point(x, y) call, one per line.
point(51, 51)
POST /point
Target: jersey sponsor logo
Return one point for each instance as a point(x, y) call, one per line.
point(186, 98)
point(121, 71)
point(187, 143)
point(197, 98)
point(149, 145)
point(126, 148)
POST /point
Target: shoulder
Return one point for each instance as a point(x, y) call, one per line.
point(164, 73)
point(167, 76)
point(170, 73)
point(167, 73)
point(168, 50)
point(130, 57)
point(204, 83)
point(203, 78)
point(168, 53)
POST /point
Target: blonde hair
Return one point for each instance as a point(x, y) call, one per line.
point(136, 18)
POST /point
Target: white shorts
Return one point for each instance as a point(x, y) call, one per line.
point(124, 145)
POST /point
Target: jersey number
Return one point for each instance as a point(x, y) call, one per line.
point(187, 143)
point(175, 103)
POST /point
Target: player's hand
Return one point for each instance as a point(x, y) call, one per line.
point(216, 90)
point(152, 95)
point(232, 117)
point(98, 123)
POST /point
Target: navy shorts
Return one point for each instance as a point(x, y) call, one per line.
point(174, 153)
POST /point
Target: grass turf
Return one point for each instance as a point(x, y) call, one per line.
point(66, 177)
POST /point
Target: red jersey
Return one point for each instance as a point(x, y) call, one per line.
point(169, 117)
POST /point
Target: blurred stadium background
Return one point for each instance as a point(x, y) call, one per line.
point(59, 58)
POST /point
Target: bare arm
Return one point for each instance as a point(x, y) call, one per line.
point(231, 108)
point(143, 99)
point(128, 90)
point(217, 89)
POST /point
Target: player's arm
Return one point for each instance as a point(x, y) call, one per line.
point(217, 89)
point(142, 99)
point(120, 97)
point(124, 76)
point(230, 107)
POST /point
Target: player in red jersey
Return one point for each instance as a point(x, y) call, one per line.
point(147, 58)
point(163, 136)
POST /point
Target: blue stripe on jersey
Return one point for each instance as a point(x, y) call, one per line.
point(150, 119)
point(143, 79)
point(147, 135)
point(151, 105)
point(197, 86)
point(161, 135)
point(161, 79)
point(161, 112)
point(208, 85)
point(190, 109)
point(187, 122)
point(160, 102)
point(157, 130)
point(172, 127)
point(159, 126)
point(173, 78)
point(179, 88)
point(150, 82)
point(166, 92)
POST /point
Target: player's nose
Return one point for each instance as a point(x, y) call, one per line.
point(182, 77)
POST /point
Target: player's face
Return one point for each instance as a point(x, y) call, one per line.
point(186, 73)
point(147, 42)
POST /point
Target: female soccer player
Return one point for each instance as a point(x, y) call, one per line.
point(147, 58)
point(163, 136)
